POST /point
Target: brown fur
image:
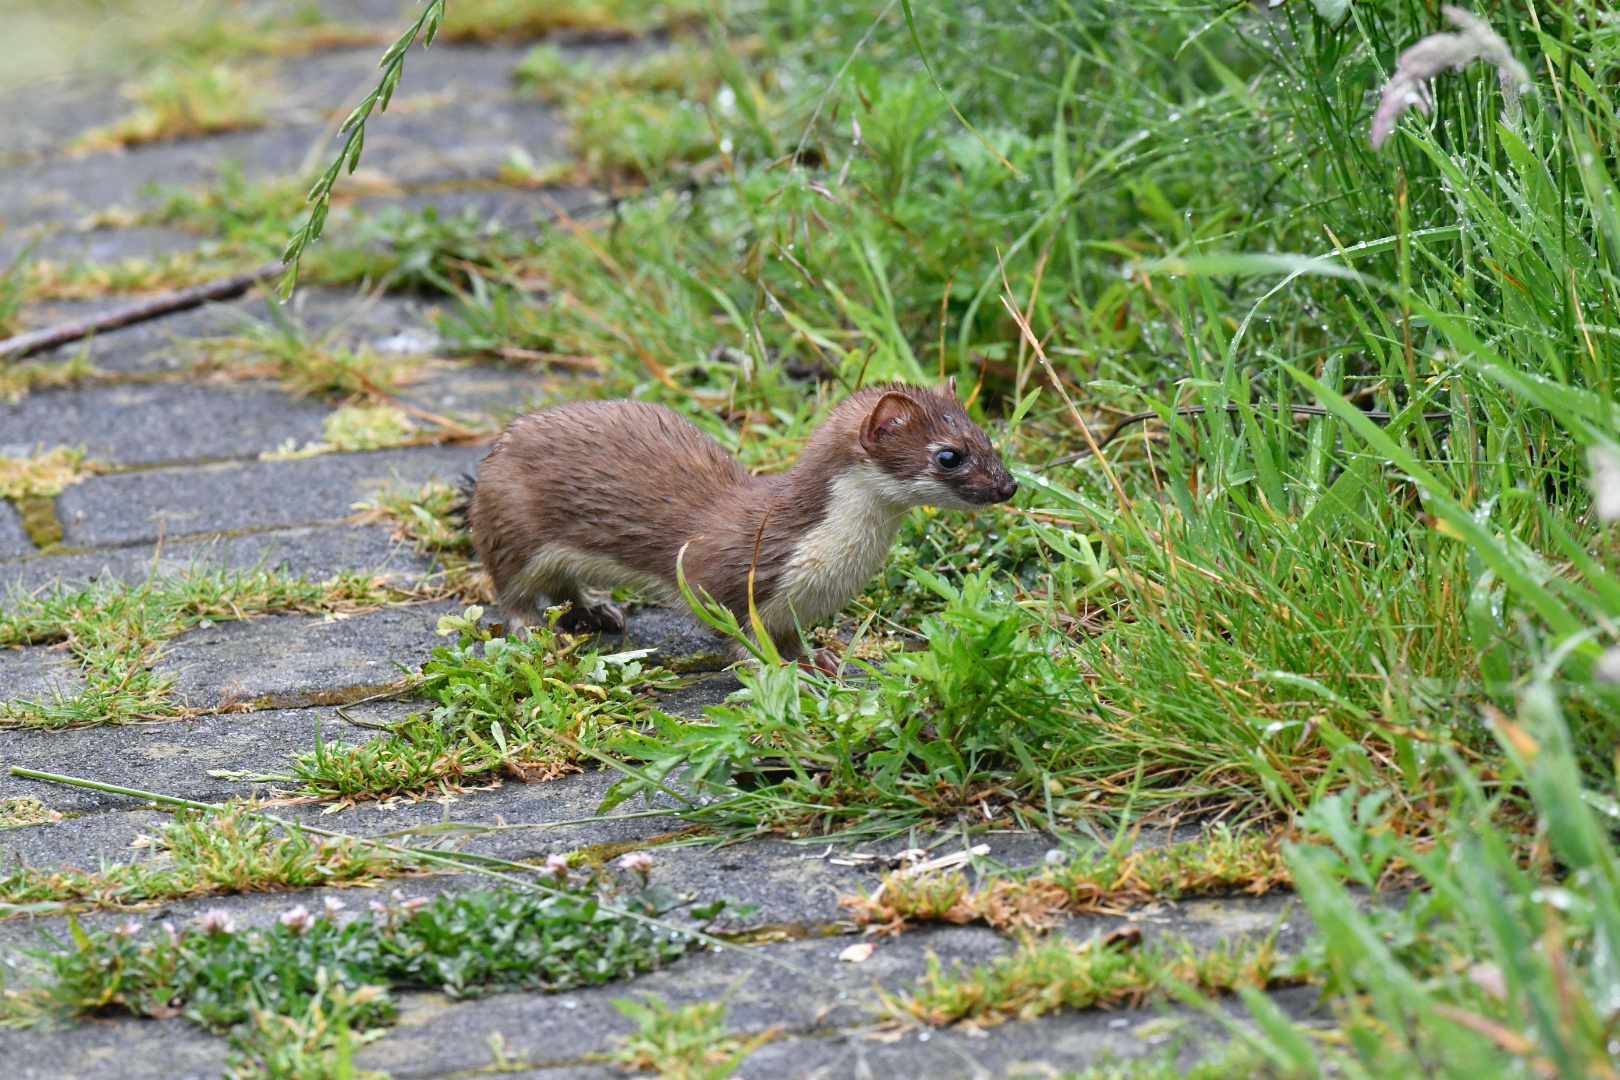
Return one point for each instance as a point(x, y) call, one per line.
point(618, 487)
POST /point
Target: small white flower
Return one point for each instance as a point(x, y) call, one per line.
point(333, 906)
point(218, 921)
point(378, 907)
point(1608, 666)
point(557, 866)
point(128, 930)
point(168, 927)
point(415, 904)
point(638, 861)
point(298, 919)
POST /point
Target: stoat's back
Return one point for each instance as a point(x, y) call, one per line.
point(626, 479)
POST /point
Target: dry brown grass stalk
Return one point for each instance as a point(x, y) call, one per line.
point(1109, 884)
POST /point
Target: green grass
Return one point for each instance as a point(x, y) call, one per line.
point(116, 633)
point(306, 991)
point(687, 1042)
point(1041, 977)
point(201, 855)
point(182, 102)
point(509, 20)
point(530, 710)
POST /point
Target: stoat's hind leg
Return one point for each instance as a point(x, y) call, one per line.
point(519, 611)
point(586, 616)
point(583, 615)
point(554, 577)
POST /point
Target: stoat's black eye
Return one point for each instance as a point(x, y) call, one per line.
point(950, 459)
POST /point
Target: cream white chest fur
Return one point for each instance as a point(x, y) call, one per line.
point(835, 559)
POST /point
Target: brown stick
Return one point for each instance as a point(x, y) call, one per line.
point(14, 348)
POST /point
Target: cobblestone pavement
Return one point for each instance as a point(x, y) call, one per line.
point(188, 485)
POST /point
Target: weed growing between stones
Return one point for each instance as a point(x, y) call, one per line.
point(1043, 976)
point(1105, 881)
point(203, 854)
point(368, 427)
point(309, 362)
point(434, 518)
point(955, 724)
point(13, 291)
point(504, 707)
point(686, 1042)
point(182, 101)
point(247, 220)
point(50, 279)
point(43, 475)
point(309, 987)
point(636, 120)
point(21, 812)
point(116, 631)
point(521, 20)
point(21, 378)
point(357, 427)
point(33, 483)
point(317, 1043)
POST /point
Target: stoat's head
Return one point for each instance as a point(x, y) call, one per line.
point(927, 450)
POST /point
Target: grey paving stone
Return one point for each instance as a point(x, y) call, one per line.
point(56, 190)
point(676, 638)
point(289, 661)
point(454, 118)
point(172, 1049)
point(37, 671)
point(483, 391)
point(165, 344)
point(41, 117)
point(154, 346)
point(83, 841)
point(45, 113)
point(14, 539)
point(318, 552)
point(435, 1037)
point(163, 423)
point(167, 758)
point(107, 245)
point(129, 508)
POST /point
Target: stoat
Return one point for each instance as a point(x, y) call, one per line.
point(607, 494)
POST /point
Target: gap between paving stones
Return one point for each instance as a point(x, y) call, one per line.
point(314, 551)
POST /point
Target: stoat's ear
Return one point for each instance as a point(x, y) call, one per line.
point(893, 411)
point(950, 384)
